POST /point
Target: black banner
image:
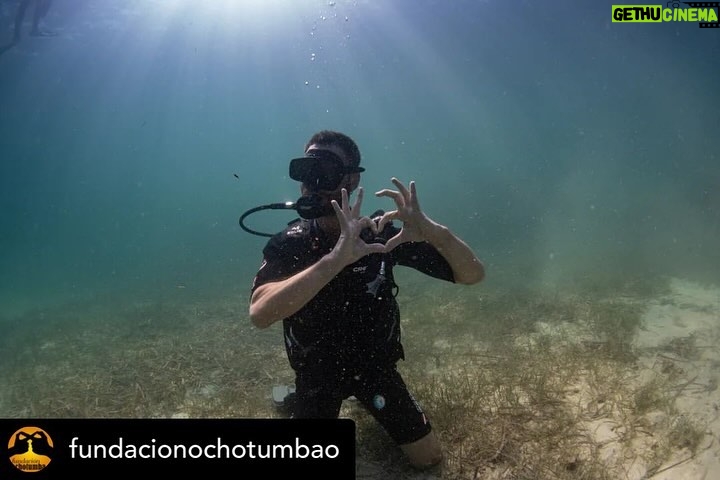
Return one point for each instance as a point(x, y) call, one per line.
point(245, 448)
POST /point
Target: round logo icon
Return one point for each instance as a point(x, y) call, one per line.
point(30, 448)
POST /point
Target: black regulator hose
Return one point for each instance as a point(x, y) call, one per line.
point(308, 206)
point(270, 206)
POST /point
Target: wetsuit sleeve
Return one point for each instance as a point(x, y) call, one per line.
point(276, 265)
point(425, 258)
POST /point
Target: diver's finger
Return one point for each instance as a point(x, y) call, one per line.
point(367, 222)
point(400, 187)
point(345, 202)
point(385, 219)
point(386, 192)
point(399, 200)
point(338, 212)
point(358, 202)
point(414, 202)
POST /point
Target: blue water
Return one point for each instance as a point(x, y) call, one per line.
point(558, 144)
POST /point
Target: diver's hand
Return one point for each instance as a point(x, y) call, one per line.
point(350, 247)
point(416, 225)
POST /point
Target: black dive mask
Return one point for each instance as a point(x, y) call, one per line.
point(320, 170)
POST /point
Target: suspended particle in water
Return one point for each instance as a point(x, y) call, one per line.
point(379, 402)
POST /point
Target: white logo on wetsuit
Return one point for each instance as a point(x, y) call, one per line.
point(295, 230)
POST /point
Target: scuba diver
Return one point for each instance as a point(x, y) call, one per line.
point(328, 277)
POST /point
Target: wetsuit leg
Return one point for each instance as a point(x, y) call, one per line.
point(317, 395)
point(384, 394)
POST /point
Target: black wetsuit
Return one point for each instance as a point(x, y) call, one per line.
point(346, 340)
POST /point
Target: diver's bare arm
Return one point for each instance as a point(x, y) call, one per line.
point(277, 300)
point(467, 268)
point(417, 227)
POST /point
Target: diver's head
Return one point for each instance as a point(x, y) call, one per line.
point(331, 163)
point(345, 144)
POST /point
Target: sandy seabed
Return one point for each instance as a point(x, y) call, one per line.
point(679, 353)
point(689, 318)
point(656, 416)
